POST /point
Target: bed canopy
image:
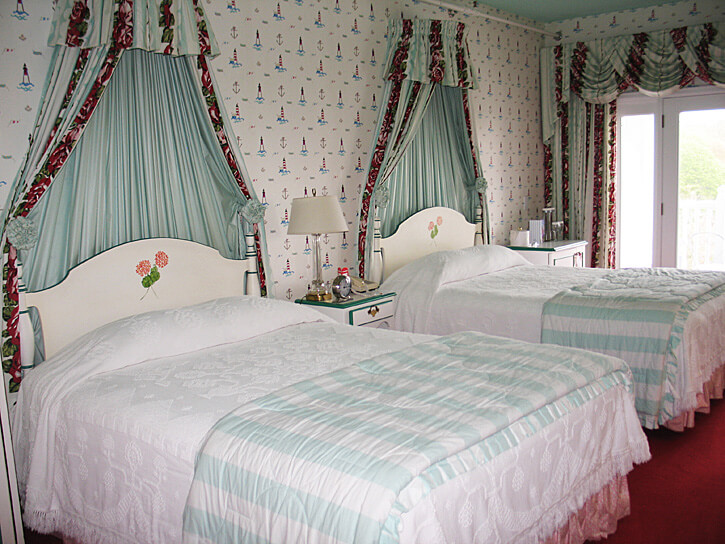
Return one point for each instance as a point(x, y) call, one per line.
point(580, 83)
point(129, 143)
point(425, 153)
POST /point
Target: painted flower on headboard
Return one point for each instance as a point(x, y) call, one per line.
point(433, 226)
point(150, 272)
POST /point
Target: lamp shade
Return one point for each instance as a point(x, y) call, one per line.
point(316, 215)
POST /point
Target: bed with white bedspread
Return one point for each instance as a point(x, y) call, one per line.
point(341, 432)
point(667, 324)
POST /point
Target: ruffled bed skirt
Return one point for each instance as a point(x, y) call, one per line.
point(711, 389)
point(598, 517)
point(593, 521)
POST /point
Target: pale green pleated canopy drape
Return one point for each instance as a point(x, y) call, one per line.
point(437, 166)
point(146, 166)
point(128, 144)
point(422, 55)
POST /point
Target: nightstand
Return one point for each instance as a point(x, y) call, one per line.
point(375, 310)
point(558, 253)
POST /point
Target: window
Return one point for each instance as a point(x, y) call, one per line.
point(672, 179)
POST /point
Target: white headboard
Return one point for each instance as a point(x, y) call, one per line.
point(109, 286)
point(428, 231)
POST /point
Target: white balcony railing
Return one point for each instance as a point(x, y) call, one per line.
point(701, 233)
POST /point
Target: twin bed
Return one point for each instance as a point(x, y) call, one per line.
point(668, 325)
point(188, 412)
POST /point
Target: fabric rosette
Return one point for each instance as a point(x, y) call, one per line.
point(22, 232)
point(481, 185)
point(381, 194)
point(252, 210)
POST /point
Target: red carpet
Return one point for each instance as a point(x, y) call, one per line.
point(678, 496)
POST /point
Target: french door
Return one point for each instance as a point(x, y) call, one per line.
point(671, 174)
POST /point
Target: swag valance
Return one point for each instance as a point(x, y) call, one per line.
point(580, 83)
point(171, 27)
point(598, 71)
point(429, 51)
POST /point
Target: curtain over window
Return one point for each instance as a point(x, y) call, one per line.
point(580, 83)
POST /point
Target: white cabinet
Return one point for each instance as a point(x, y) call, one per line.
point(361, 310)
point(559, 253)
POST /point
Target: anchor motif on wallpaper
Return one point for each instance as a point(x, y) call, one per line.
point(150, 273)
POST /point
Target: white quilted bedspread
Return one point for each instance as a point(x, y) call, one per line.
point(106, 437)
point(489, 289)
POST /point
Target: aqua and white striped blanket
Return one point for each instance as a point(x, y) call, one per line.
point(341, 457)
point(638, 315)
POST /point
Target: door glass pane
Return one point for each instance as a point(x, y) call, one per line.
point(637, 190)
point(701, 190)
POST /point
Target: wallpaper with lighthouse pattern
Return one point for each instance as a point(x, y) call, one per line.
point(301, 81)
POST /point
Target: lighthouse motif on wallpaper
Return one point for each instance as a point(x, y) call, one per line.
point(25, 83)
point(307, 104)
point(267, 75)
point(20, 12)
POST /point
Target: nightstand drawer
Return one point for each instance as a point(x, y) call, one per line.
point(373, 311)
point(360, 310)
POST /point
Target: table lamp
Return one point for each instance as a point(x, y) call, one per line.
point(316, 215)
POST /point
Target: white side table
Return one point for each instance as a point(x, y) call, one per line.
point(364, 310)
point(558, 253)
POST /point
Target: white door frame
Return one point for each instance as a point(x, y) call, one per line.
point(673, 106)
point(666, 111)
point(636, 103)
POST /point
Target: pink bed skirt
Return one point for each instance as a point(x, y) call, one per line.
point(712, 389)
point(598, 517)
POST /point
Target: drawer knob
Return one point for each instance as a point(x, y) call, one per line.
point(373, 310)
